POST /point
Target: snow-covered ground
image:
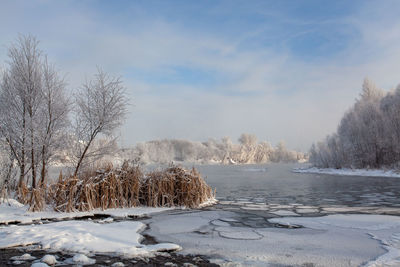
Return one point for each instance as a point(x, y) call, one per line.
point(11, 211)
point(121, 238)
point(247, 236)
point(349, 172)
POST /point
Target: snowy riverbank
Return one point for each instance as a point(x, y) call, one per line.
point(11, 211)
point(350, 172)
point(231, 234)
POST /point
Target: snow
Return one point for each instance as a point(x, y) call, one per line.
point(39, 264)
point(350, 172)
point(18, 262)
point(25, 257)
point(85, 237)
point(13, 211)
point(82, 259)
point(208, 202)
point(118, 264)
point(49, 259)
point(230, 238)
point(170, 264)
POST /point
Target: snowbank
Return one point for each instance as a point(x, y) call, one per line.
point(13, 211)
point(121, 238)
point(349, 172)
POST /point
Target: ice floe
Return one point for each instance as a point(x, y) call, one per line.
point(241, 233)
point(383, 228)
point(334, 244)
point(284, 213)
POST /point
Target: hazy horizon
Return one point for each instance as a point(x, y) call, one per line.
point(282, 70)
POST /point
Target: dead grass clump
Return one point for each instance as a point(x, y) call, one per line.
point(128, 187)
point(23, 194)
point(175, 186)
point(105, 188)
point(37, 199)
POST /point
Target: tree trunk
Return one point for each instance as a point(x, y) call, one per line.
point(22, 160)
point(81, 158)
point(43, 171)
point(33, 162)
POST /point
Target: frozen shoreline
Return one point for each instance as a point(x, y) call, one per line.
point(11, 211)
point(279, 235)
point(349, 172)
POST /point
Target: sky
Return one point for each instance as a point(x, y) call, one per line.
point(282, 70)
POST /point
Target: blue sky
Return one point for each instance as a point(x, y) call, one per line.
point(283, 70)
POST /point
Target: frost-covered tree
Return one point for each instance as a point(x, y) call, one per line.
point(53, 116)
point(100, 108)
point(7, 170)
point(368, 134)
point(21, 99)
point(33, 107)
point(390, 108)
point(213, 151)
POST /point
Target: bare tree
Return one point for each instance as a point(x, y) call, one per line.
point(33, 107)
point(101, 107)
point(7, 170)
point(20, 99)
point(53, 117)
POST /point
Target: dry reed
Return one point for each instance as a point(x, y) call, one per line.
point(129, 187)
point(175, 186)
point(23, 193)
point(37, 199)
point(106, 188)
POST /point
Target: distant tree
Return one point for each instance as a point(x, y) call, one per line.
point(100, 108)
point(248, 140)
point(366, 136)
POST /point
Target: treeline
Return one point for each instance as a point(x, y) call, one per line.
point(39, 119)
point(247, 151)
point(368, 135)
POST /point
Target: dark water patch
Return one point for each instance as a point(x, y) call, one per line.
point(10, 223)
point(139, 217)
point(96, 216)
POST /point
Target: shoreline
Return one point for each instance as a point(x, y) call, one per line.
point(160, 259)
point(350, 172)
